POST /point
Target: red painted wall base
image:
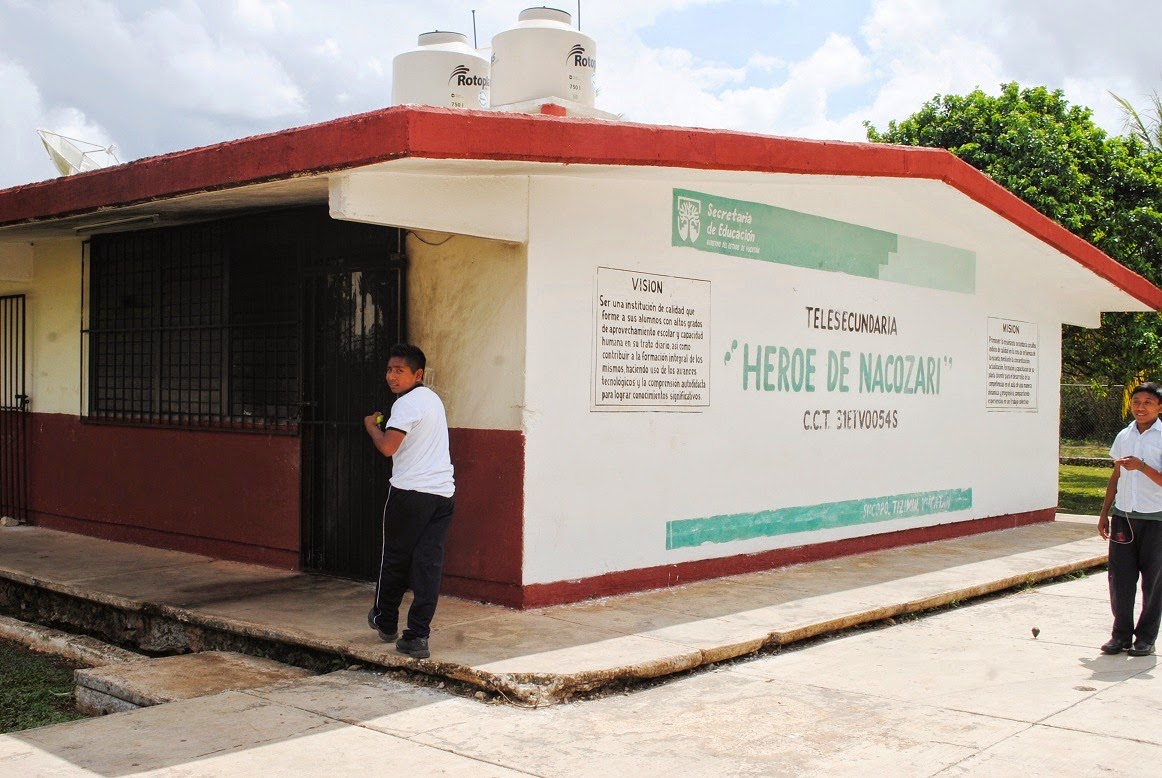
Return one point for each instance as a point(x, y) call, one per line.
point(223, 494)
point(485, 548)
point(190, 544)
point(235, 496)
point(626, 581)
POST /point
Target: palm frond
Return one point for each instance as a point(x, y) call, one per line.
point(1147, 131)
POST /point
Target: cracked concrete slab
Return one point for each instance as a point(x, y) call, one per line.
point(998, 673)
point(1046, 752)
point(966, 691)
point(232, 733)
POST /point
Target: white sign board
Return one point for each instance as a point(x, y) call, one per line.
point(651, 342)
point(1011, 383)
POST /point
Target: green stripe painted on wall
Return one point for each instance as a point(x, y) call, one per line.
point(741, 228)
point(685, 533)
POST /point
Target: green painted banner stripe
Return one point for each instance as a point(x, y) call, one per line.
point(767, 233)
point(685, 533)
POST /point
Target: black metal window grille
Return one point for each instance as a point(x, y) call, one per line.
point(197, 326)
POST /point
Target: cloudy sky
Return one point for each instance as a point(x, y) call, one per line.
point(164, 75)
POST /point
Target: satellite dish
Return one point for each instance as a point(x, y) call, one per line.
point(71, 155)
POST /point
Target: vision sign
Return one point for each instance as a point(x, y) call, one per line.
point(651, 342)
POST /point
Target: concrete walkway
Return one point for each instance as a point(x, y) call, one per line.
point(965, 692)
point(543, 656)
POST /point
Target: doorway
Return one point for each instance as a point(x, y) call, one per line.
point(13, 410)
point(353, 312)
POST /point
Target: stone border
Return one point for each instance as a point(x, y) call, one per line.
point(154, 629)
point(1088, 461)
point(81, 649)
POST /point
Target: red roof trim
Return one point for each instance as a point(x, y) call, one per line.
point(395, 133)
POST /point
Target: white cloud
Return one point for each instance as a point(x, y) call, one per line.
point(764, 63)
point(899, 24)
point(173, 74)
point(907, 52)
point(1084, 49)
point(73, 123)
point(835, 65)
point(208, 74)
point(263, 15)
point(665, 86)
point(374, 67)
point(1095, 94)
point(675, 86)
point(25, 159)
point(329, 49)
point(919, 54)
point(672, 86)
point(801, 100)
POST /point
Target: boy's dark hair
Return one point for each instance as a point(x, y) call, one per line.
point(1150, 387)
point(408, 353)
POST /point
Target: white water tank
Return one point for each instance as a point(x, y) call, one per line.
point(543, 56)
point(444, 71)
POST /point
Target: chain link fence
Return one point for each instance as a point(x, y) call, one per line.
point(1091, 416)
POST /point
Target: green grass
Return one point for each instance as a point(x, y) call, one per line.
point(35, 689)
point(1082, 449)
point(1082, 489)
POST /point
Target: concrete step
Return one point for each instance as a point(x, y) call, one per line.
point(130, 685)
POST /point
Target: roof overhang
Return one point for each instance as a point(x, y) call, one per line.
point(300, 166)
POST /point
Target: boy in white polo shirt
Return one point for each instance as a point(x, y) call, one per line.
point(419, 502)
point(1134, 527)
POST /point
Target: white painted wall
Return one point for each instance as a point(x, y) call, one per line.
point(466, 309)
point(52, 326)
point(486, 206)
point(601, 486)
point(466, 280)
point(16, 261)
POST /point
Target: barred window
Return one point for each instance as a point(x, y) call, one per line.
point(197, 325)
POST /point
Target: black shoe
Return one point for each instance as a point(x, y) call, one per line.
point(1115, 646)
point(1141, 649)
point(416, 648)
point(386, 637)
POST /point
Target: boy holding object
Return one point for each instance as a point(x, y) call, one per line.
point(419, 502)
point(1134, 526)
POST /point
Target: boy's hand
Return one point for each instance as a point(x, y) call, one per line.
point(1103, 527)
point(1130, 463)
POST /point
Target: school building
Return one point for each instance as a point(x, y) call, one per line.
point(667, 353)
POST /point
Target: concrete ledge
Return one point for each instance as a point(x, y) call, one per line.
point(76, 648)
point(97, 703)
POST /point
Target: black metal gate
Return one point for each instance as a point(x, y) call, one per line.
point(353, 313)
point(13, 410)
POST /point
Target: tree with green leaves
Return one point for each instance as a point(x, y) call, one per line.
point(1105, 189)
